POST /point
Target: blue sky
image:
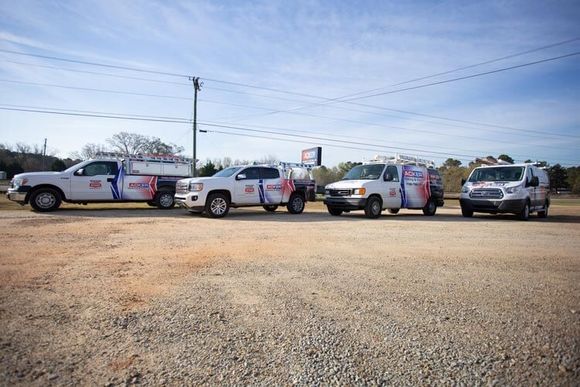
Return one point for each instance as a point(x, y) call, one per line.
point(315, 48)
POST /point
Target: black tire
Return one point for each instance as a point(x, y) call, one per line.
point(217, 205)
point(296, 204)
point(525, 213)
point(393, 211)
point(373, 207)
point(45, 200)
point(544, 213)
point(430, 208)
point(466, 213)
point(165, 200)
point(334, 211)
point(270, 208)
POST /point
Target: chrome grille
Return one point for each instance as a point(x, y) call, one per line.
point(486, 193)
point(339, 192)
point(181, 187)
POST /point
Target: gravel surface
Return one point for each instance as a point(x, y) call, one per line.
point(122, 297)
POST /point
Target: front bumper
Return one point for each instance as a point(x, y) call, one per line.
point(347, 204)
point(513, 206)
point(190, 201)
point(18, 195)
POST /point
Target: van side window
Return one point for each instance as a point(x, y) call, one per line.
point(529, 175)
point(392, 171)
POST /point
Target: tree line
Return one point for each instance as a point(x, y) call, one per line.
point(21, 157)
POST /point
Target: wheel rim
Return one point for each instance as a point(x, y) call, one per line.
point(45, 200)
point(526, 211)
point(218, 206)
point(297, 204)
point(166, 200)
point(375, 207)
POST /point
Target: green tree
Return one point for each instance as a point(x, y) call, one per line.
point(506, 158)
point(558, 177)
point(451, 163)
point(208, 169)
point(14, 168)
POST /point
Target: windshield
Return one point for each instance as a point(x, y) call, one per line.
point(227, 172)
point(497, 174)
point(365, 172)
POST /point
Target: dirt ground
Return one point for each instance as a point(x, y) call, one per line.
point(126, 294)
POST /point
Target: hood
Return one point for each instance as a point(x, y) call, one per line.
point(342, 184)
point(202, 179)
point(28, 175)
point(493, 184)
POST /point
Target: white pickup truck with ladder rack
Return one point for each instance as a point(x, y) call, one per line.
point(110, 177)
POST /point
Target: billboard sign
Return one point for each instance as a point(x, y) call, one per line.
point(312, 156)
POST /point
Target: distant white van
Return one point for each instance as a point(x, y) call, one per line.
point(520, 189)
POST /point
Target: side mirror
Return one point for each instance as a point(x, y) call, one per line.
point(241, 176)
point(388, 177)
point(79, 172)
point(534, 182)
point(463, 180)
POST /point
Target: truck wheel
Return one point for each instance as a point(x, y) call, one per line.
point(466, 213)
point(525, 213)
point(393, 211)
point(334, 211)
point(270, 208)
point(45, 200)
point(217, 205)
point(543, 213)
point(296, 204)
point(430, 208)
point(373, 208)
point(165, 200)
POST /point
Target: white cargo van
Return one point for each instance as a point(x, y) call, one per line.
point(387, 183)
point(515, 188)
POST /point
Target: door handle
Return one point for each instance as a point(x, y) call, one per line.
point(110, 179)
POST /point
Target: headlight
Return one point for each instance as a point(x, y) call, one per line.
point(19, 182)
point(464, 189)
point(512, 190)
point(195, 186)
point(359, 191)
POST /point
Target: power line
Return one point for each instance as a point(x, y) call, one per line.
point(97, 64)
point(82, 113)
point(279, 90)
point(97, 73)
point(93, 89)
point(465, 77)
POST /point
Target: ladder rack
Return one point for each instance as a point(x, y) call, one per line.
point(403, 159)
point(143, 157)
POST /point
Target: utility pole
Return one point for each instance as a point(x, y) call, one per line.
point(44, 155)
point(196, 88)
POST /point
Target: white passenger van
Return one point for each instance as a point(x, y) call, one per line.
point(515, 188)
point(387, 183)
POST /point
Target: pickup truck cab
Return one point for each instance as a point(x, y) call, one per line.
point(519, 189)
point(387, 184)
point(246, 186)
point(137, 179)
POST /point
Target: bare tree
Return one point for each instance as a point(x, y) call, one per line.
point(89, 151)
point(134, 143)
point(22, 147)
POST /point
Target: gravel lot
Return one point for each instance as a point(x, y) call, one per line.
point(142, 296)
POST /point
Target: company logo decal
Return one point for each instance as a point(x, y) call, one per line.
point(138, 185)
point(94, 184)
point(273, 187)
point(393, 192)
point(411, 173)
point(249, 189)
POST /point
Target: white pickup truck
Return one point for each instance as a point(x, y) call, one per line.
point(244, 186)
point(109, 179)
